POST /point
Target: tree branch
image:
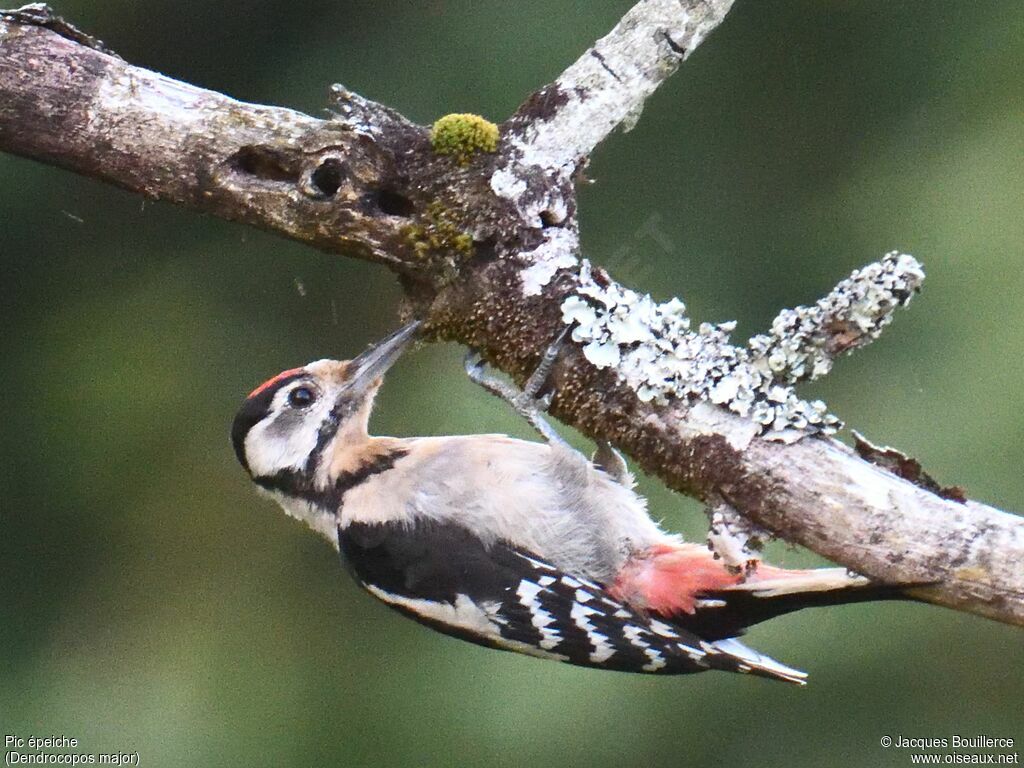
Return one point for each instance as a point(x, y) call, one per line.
point(486, 247)
point(609, 84)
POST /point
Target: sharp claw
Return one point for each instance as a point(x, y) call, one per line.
point(473, 362)
point(525, 401)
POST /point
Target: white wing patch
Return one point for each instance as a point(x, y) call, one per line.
point(580, 614)
point(463, 614)
point(694, 653)
point(528, 594)
point(663, 629)
point(635, 635)
point(466, 615)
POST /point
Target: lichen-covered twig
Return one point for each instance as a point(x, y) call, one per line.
point(486, 245)
point(804, 342)
point(653, 350)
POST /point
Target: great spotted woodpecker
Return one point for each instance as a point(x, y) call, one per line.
point(512, 544)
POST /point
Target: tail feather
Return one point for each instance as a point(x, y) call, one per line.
point(776, 582)
point(741, 658)
point(687, 585)
point(732, 611)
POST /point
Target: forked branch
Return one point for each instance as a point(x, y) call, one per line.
point(486, 245)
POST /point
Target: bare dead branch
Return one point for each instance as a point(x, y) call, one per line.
point(609, 84)
point(487, 251)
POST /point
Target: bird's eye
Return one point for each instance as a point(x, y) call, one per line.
point(300, 397)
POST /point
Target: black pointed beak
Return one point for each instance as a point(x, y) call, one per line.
point(375, 362)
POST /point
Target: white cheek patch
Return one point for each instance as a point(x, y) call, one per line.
point(270, 447)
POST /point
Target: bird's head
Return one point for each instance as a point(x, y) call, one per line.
point(291, 427)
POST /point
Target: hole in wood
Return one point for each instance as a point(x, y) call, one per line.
point(394, 204)
point(327, 176)
point(264, 163)
point(550, 219)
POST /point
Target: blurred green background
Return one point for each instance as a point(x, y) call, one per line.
point(150, 601)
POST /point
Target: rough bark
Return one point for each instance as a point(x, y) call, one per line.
point(487, 250)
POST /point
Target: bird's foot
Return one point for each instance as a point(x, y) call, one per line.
point(527, 402)
point(611, 461)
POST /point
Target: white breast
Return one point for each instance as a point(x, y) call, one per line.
point(547, 500)
point(320, 520)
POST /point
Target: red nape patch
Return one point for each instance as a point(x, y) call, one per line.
point(669, 580)
point(273, 381)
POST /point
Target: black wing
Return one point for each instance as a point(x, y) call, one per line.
point(499, 596)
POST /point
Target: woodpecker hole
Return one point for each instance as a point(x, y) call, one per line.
point(394, 204)
point(327, 176)
point(264, 163)
point(549, 219)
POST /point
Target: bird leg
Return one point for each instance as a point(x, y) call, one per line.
point(526, 402)
point(532, 408)
point(611, 462)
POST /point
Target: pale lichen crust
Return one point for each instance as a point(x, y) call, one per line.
point(734, 540)
point(804, 342)
point(655, 352)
